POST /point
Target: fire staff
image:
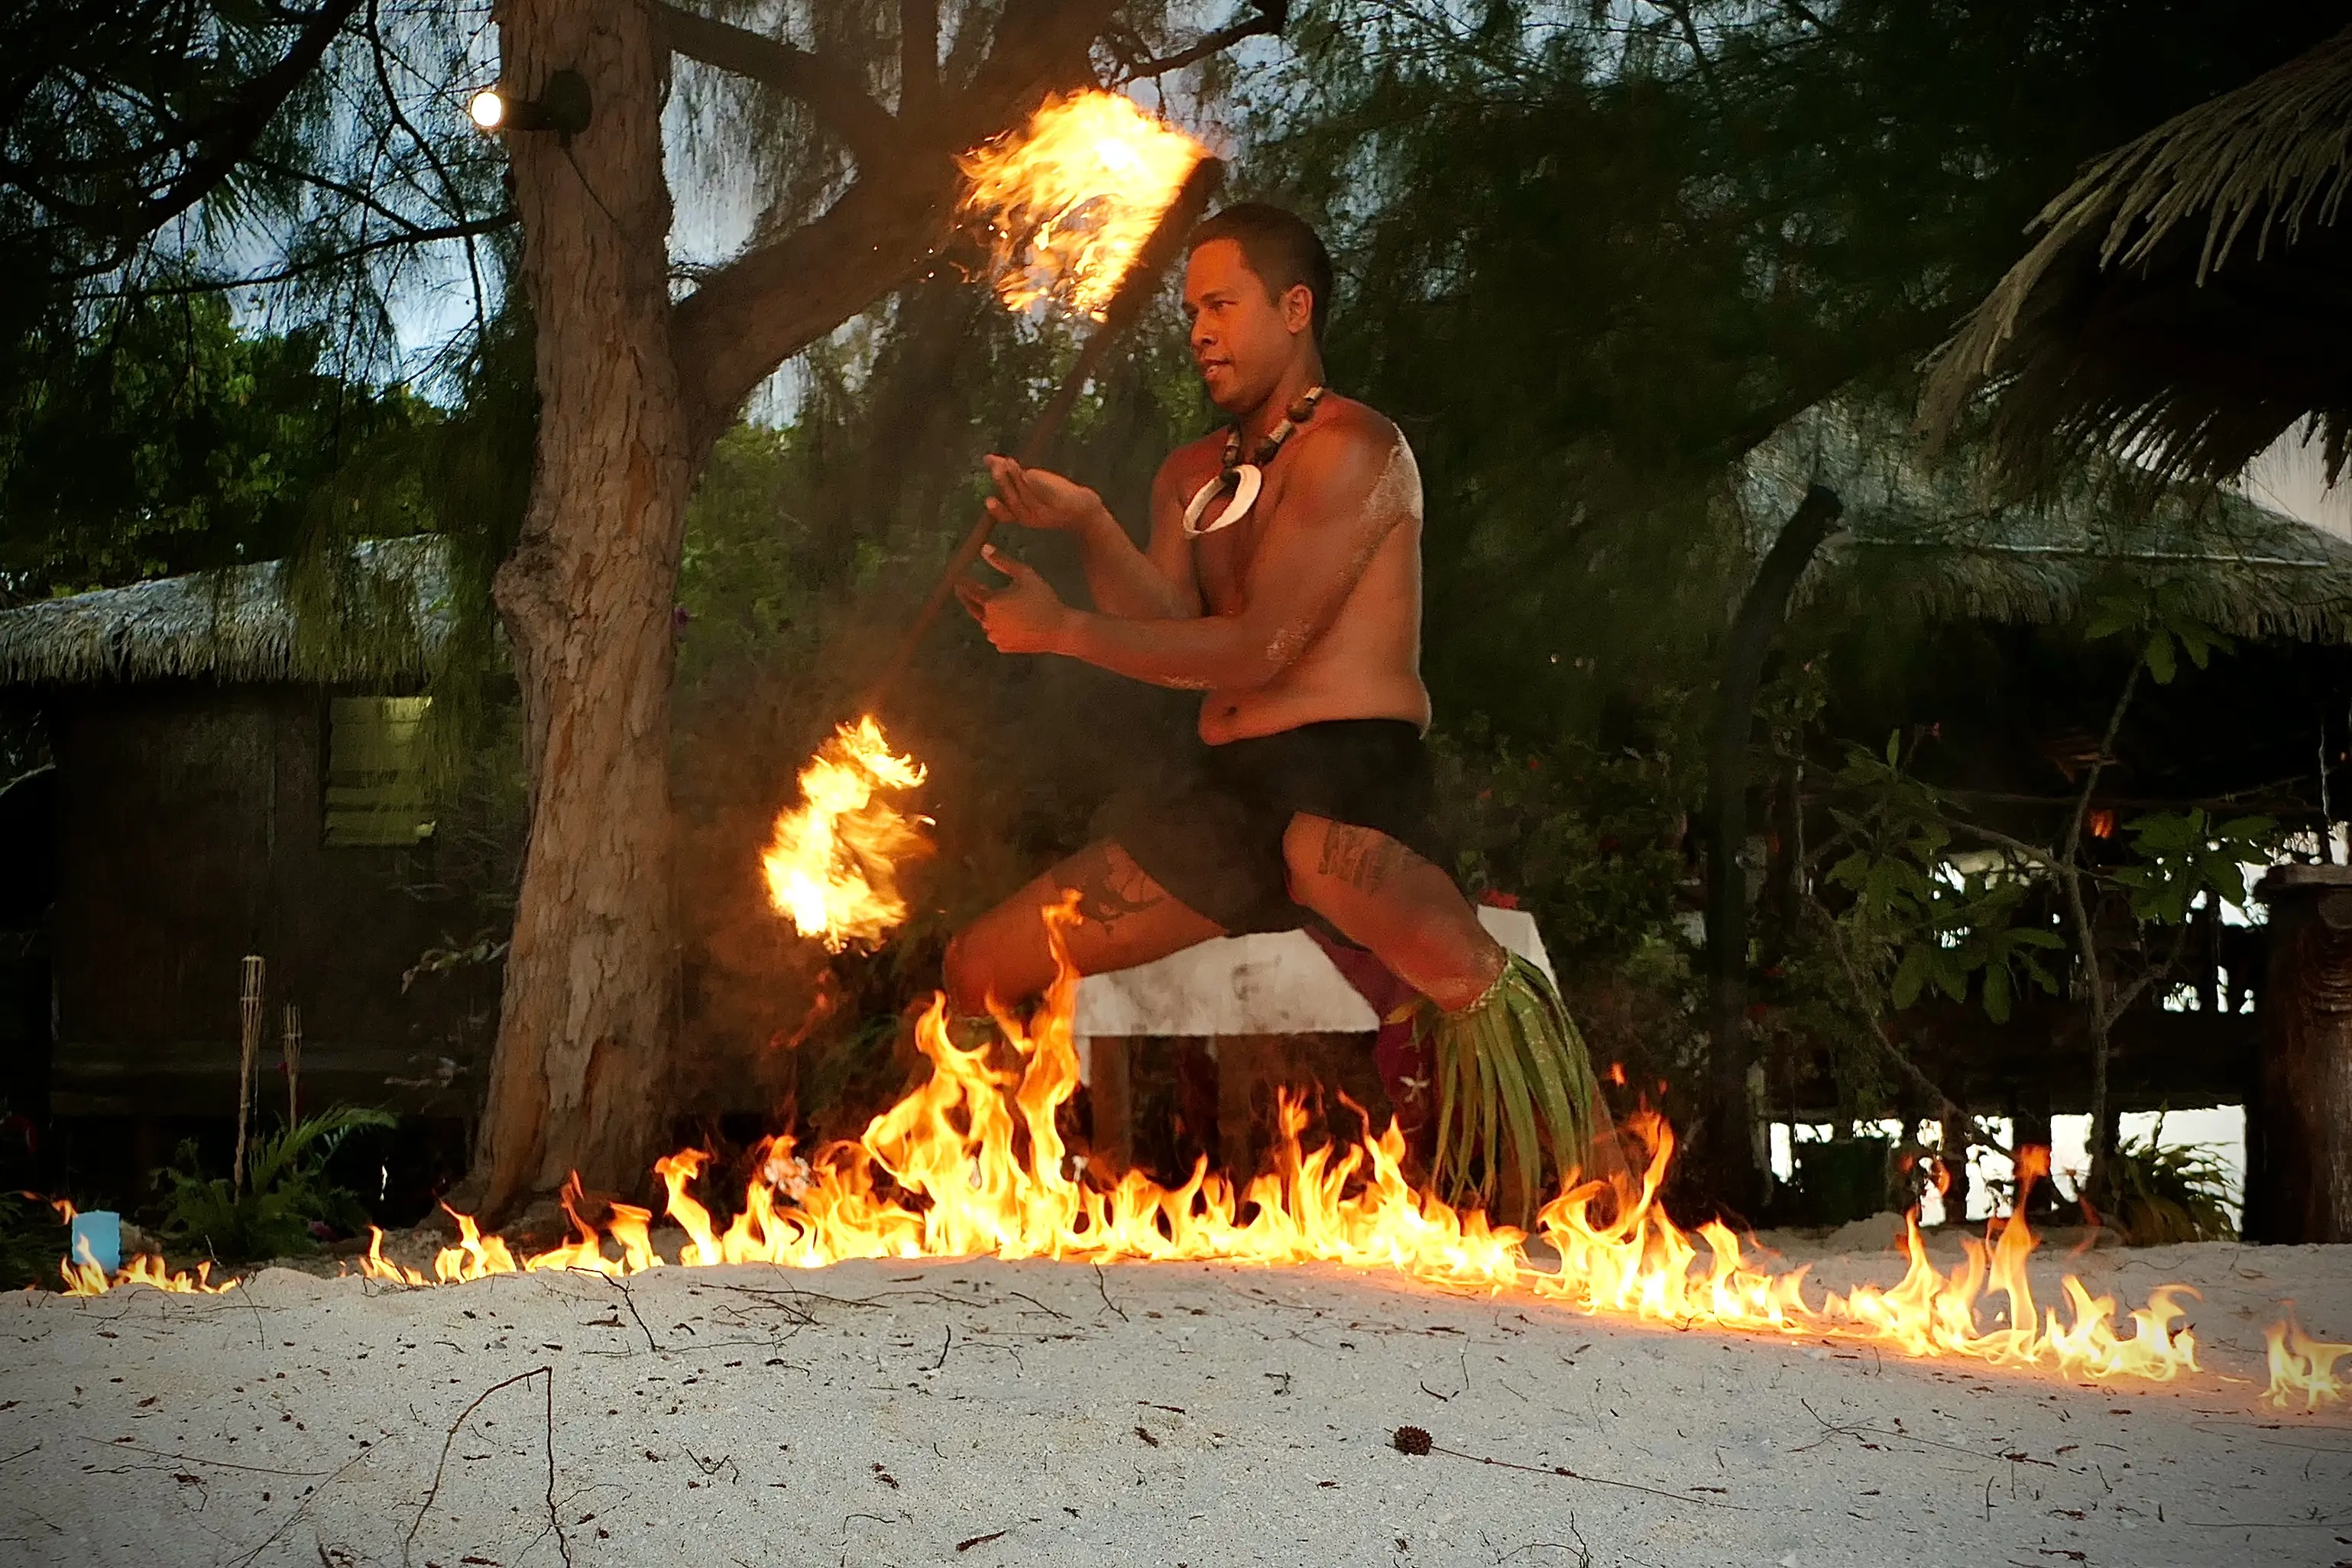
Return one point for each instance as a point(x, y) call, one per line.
point(1282, 580)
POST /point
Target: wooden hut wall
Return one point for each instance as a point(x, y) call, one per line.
point(191, 828)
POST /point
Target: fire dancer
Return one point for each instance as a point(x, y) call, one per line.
point(1283, 580)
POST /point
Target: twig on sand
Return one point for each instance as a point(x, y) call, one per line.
point(205, 1459)
point(1102, 1285)
point(1832, 1429)
point(554, 1520)
point(710, 1467)
point(983, 1540)
point(630, 1301)
point(311, 1496)
point(1583, 1553)
point(1412, 1440)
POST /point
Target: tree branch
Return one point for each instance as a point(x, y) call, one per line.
point(765, 306)
point(1271, 17)
point(1681, 12)
point(449, 191)
point(226, 141)
point(1867, 998)
point(1039, 47)
point(2070, 851)
point(768, 304)
point(918, 58)
point(1999, 840)
point(2154, 973)
point(470, 229)
point(832, 95)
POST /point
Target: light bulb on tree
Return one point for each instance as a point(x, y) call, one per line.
point(562, 106)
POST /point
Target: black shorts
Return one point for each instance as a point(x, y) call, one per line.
point(1214, 841)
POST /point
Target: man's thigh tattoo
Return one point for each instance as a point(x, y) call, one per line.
point(1112, 887)
point(1364, 857)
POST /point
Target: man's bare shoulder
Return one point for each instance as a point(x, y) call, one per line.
point(1343, 435)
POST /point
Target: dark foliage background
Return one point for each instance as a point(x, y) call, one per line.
point(1591, 257)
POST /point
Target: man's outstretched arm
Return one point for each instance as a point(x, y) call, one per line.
point(1316, 546)
point(1121, 579)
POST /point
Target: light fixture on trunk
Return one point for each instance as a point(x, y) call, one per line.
point(562, 106)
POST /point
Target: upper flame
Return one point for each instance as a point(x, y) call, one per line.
point(833, 864)
point(1071, 197)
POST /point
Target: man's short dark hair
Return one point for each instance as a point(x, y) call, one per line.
point(1279, 247)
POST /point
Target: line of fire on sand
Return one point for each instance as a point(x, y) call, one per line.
point(971, 1163)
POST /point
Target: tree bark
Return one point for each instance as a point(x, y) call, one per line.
point(1736, 1175)
point(633, 392)
point(2104, 1012)
point(587, 599)
point(2299, 1186)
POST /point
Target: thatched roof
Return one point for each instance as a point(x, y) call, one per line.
point(1924, 537)
point(2190, 297)
point(383, 614)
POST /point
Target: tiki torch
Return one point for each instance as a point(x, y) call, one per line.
point(1136, 289)
point(1076, 205)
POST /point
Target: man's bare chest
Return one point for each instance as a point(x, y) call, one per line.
point(1222, 561)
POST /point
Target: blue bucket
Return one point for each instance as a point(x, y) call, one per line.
point(97, 1238)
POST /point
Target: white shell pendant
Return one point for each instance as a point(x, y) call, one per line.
point(1247, 483)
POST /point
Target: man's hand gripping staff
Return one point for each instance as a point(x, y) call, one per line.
point(1025, 615)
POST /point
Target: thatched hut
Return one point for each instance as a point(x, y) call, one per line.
point(2189, 297)
point(1961, 606)
point(2188, 304)
point(236, 769)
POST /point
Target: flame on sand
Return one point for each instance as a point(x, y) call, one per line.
point(2303, 1367)
point(1070, 198)
point(83, 1276)
point(972, 1162)
point(831, 865)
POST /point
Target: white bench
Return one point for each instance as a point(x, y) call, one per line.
point(1260, 1009)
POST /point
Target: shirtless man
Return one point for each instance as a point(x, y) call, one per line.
point(1299, 619)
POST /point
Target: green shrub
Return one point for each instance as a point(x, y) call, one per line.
point(285, 1189)
point(32, 1240)
point(2157, 1194)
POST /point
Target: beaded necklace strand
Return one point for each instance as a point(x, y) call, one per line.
point(1244, 480)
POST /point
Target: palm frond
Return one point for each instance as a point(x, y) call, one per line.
point(2184, 292)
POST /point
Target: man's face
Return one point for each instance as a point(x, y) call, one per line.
point(1242, 338)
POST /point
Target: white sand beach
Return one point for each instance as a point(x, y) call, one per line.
point(1201, 1416)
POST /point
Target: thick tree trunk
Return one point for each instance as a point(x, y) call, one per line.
point(587, 599)
point(1735, 1171)
point(633, 394)
point(2299, 1186)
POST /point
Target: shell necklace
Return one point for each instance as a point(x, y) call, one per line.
point(1243, 480)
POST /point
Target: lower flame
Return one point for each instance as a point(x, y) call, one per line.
point(831, 865)
point(2303, 1367)
point(83, 1276)
point(972, 1163)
